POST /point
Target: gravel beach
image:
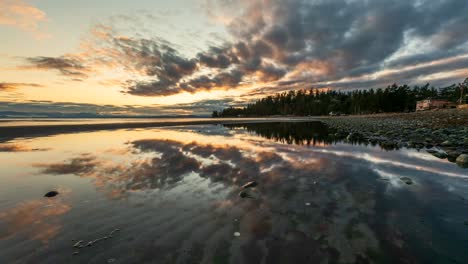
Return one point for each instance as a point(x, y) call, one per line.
point(443, 133)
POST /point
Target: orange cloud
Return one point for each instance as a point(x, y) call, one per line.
point(19, 14)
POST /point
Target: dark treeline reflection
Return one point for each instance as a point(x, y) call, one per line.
point(299, 133)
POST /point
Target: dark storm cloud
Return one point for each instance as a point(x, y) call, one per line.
point(279, 42)
point(216, 58)
point(7, 86)
point(356, 36)
point(153, 58)
point(228, 79)
point(66, 65)
point(277, 36)
point(408, 75)
point(271, 73)
point(159, 87)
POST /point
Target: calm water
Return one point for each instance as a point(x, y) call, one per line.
point(5, 122)
point(174, 195)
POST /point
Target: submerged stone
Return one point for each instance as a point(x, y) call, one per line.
point(51, 194)
point(406, 180)
point(243, 194)
point(440, 154)
point(453, 155)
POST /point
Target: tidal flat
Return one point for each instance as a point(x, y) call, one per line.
point(243, 192)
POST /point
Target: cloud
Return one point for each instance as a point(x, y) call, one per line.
point(6, 86)
point(48, 108)
point(19, 14)
point(66, 65)
point(285, 45)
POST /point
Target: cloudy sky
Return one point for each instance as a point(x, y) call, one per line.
point(194, 56)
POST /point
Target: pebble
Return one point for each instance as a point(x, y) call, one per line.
point(236, 234)
point(307, 204)
point(77, 244)
point(51, 194)
point(249, 184)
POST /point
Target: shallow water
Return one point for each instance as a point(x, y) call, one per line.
point(174, 195)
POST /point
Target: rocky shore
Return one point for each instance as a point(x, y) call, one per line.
point(443, 133)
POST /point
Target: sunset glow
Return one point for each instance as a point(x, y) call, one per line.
point(196, 56)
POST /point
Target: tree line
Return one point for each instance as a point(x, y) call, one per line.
point(394, 98)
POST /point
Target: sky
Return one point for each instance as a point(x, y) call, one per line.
point(194, 56)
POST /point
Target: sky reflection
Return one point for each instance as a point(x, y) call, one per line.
point(174, 193)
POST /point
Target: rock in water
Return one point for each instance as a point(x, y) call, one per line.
point(243, 195)
point(462, 160)
point(250, 184)
point(51, 194)
point(406, 180)
point(440, 154)
point(453, 155)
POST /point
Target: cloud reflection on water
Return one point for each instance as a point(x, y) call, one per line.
point(38, 218)
point(323, 202)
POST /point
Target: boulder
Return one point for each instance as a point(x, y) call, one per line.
point(462, 160)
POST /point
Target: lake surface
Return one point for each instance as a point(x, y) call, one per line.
point(171, 195)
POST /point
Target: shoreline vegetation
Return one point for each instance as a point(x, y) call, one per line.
point(316, 102)
point(385, 117)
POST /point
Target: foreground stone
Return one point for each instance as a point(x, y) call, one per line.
point(462, 160)
point(51, 194)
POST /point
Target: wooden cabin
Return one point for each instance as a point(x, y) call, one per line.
point(430, 104)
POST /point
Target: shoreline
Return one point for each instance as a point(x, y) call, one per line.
point(23, 131)
point(443, 133)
